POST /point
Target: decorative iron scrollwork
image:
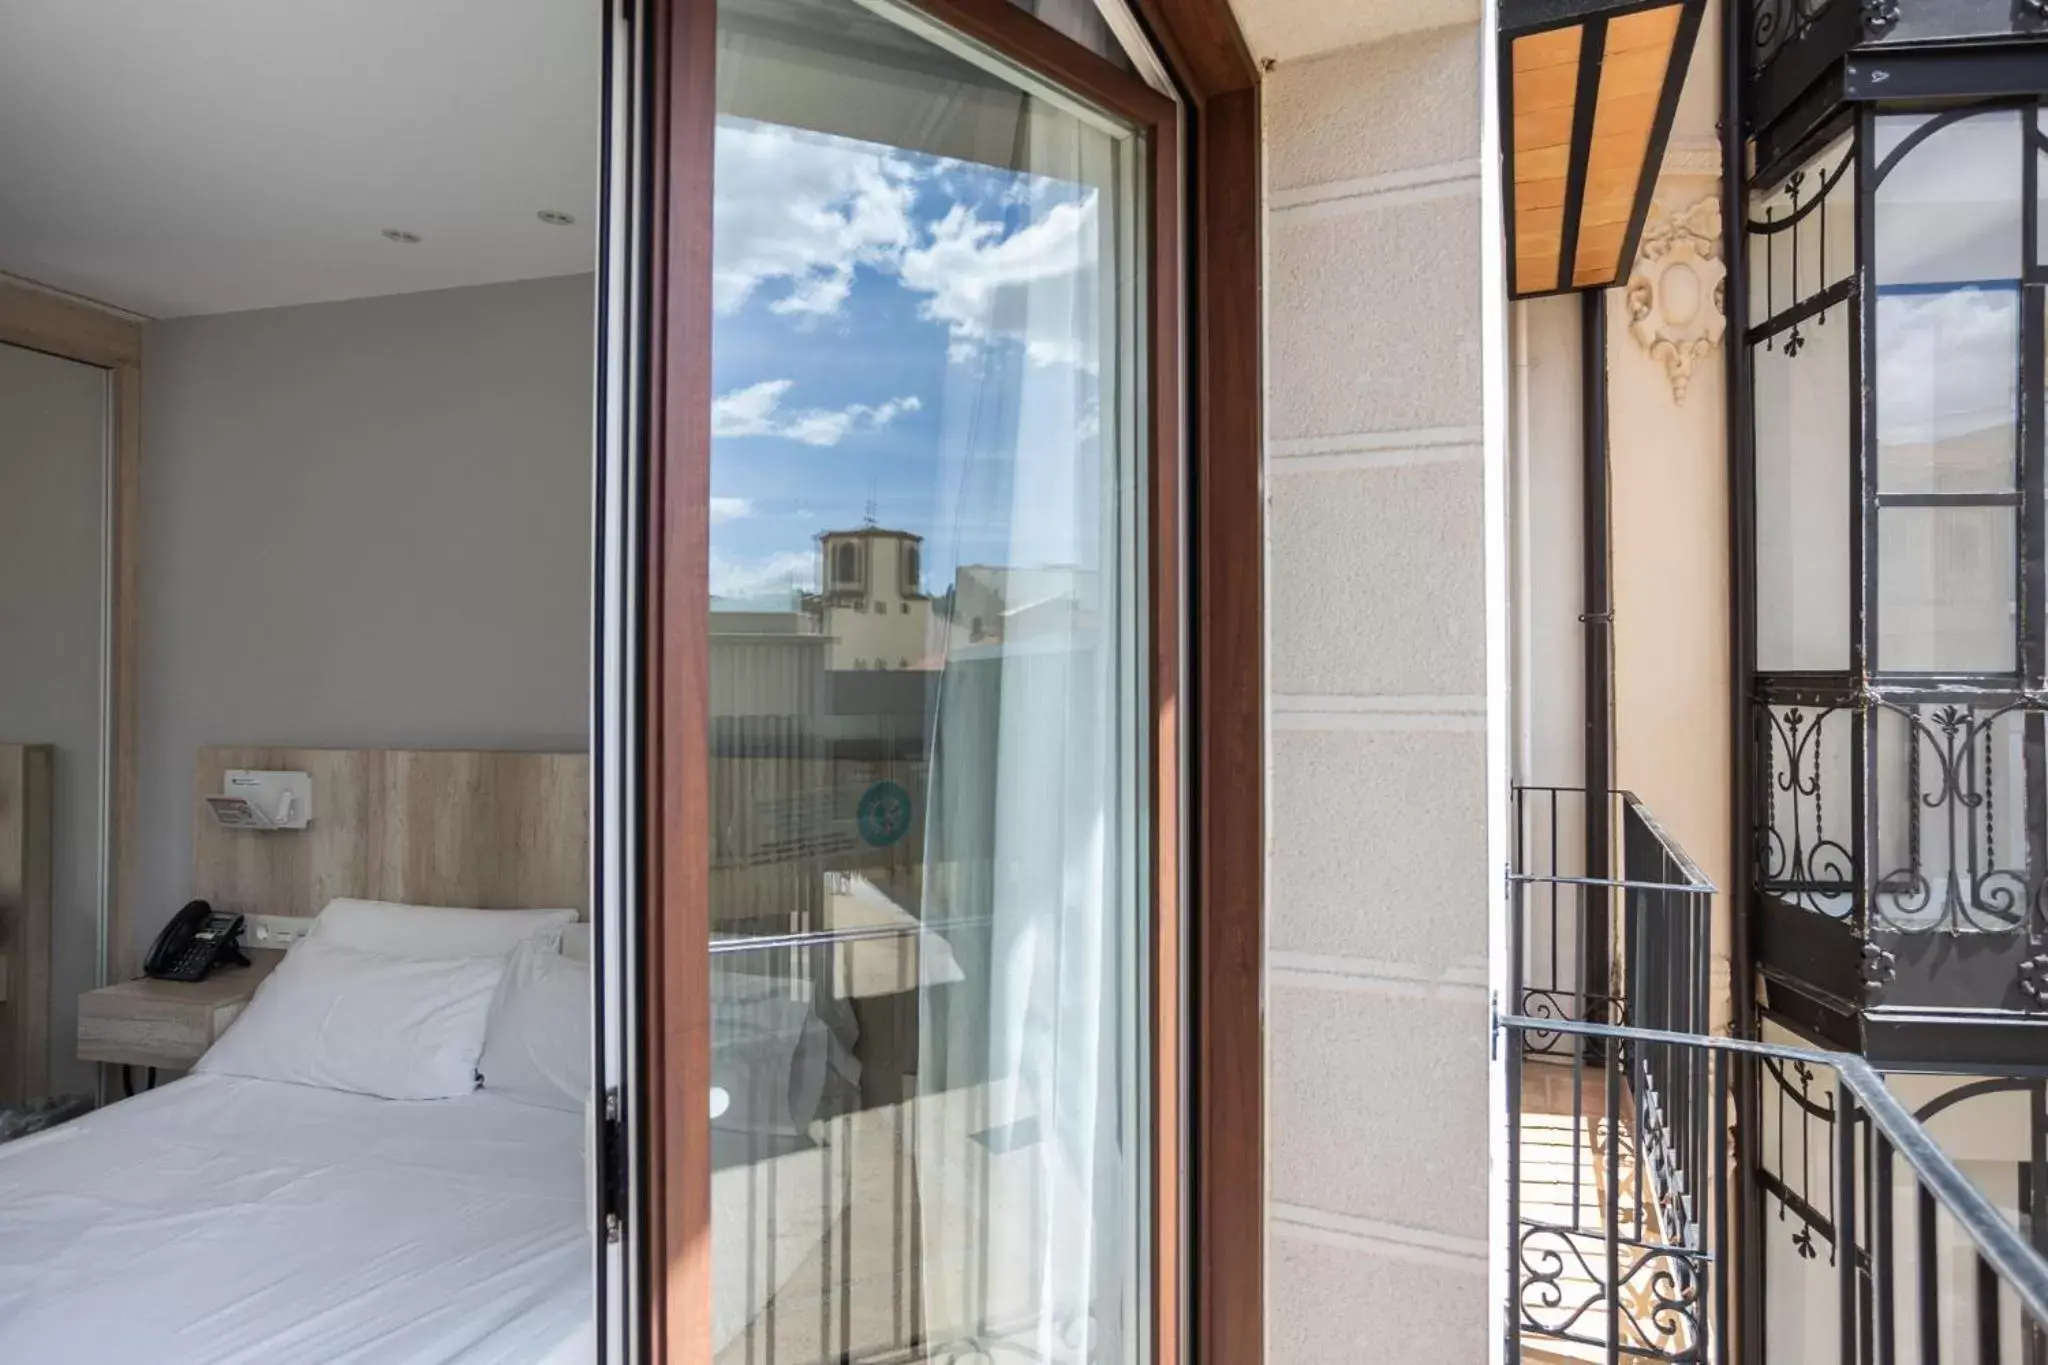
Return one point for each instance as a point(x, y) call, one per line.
point(1949, 785)
point(1803, 862)
point(1655, 1301)
point(1547, 1003)
point(1774, 23)
point(1952, 879)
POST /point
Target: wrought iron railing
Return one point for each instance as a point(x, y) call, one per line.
point(1590, 945)
point(1623, 1198)
point(1608, 1231)
point(1994, 1127)
point(1903, 822)
point(1905, 1219)
point(1948, 783)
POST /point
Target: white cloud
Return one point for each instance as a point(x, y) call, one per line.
point(1034, 285)
point(798, 213)
point(749, 411)
point(761, 575)
point(730, 509)
point(757, 410)
point(1946, 365)
point(802, 210)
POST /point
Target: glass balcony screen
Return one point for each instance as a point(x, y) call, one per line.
point(1947, 590)
point(1803, 507)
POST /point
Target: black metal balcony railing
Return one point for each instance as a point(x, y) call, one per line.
point(1658, 1293)
point(1999, 1123)
point(1623, 1198)
point(1609, 1142)
point(1586, 943)
point(1899, 847)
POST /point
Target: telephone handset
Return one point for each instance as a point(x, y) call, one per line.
point(195, 941)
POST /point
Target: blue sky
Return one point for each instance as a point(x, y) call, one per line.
point(897, 327)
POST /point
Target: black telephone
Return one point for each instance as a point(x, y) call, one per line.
point(195, 941)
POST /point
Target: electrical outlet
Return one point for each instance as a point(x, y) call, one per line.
point(274, 931)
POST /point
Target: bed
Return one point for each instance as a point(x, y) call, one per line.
point(233, 1216)
point(225, 1220)
point(240, 1220)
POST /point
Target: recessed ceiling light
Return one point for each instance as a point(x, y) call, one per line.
point(400, 235)
point(555, 217)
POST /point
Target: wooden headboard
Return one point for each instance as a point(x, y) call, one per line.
point(481, 828)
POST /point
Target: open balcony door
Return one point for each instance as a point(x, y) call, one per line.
point(615, 1136)
point(896, 933)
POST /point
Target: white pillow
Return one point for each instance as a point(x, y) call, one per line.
point(431, 930)
point(537, 1048)
point(403, 1028)
point(576, 941)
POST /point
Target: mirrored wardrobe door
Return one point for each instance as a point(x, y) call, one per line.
point(55, 735)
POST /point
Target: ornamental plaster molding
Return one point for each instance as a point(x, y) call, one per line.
point(1677, 294)
point(1691, 157)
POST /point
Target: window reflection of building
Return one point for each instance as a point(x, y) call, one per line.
point(871, 607)
point(992, 604)
point(819, 696)
point(797, 742)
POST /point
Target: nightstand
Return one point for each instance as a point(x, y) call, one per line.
point(153, 1023)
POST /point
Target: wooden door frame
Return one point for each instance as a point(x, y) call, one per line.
point(36, 318)
point(1206, 577)
point(1225, 1218)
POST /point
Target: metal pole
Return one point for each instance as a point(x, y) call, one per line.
point(1847, 1338)
point(1745, 1253)
point(1598, 616)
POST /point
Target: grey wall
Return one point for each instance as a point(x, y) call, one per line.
point(365, 524)
point(53, 469)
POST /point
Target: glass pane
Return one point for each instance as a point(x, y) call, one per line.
point(1947, 389)
point(1081, 21)
point(54, 595)
point(1945, 589)
point(1790, 264)
point(927, 880)
point(1950, 210)
point(1802, 499)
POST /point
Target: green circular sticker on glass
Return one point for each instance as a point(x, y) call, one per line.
point(884, 814)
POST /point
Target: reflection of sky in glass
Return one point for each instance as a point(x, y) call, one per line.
point(1946, 363)
point(1949, 211)
point(1948, 258)
point(906, 333)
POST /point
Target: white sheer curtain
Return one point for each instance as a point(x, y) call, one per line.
point(1024, 1158)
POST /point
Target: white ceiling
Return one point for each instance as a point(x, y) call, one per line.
point(204, 156)
point(1289, 30)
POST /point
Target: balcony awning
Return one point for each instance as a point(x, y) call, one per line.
point(1589, 89)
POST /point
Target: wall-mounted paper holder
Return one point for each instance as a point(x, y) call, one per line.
point(263, 800)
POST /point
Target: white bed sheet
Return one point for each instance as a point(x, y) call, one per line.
point(227, 1221)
